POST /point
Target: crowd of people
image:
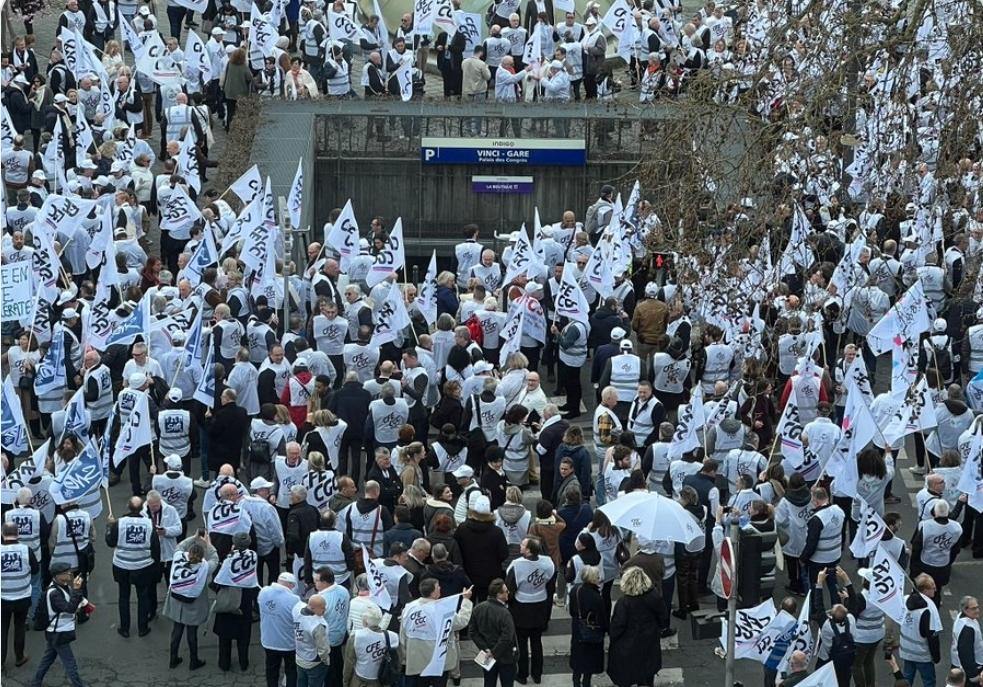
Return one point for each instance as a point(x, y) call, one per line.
point(377, 471)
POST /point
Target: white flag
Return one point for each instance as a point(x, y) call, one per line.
point(389, 318)
point(155, 63)
point(205, 255)
point(857, 375)
point(193, 5)
point(39, 458)
point(83, 140)
point(887, 584)
point(599, 269)
point(62, 213)
point(343, 236)
point(248, 186)
point(196, 59)
point(102, 238)
point(135, 432)
point(442, 614)
point(187, 161)
point(906, 320)
point(789, 430)
point(178, 211)
point(131, 38)
point(404, 77)
point(256, 243)
point(511, 335)
point(426, 301)
point(858, 429)
point(748, 626)
point(205, 391)
point(390, 259)
point(533, 51)
point(917, 413)
point(377, 582)
point(823, 677)
point(904, 365)
point(13, 429)
point(971, 479)
point(262, 33)
point(870, 529)
point(570, 301)
point(802, 641)
point(383, 29)
point(691, 420)
point(249, 219)
point(423, 17)
point(295, 199)
point(7, 130)
point(521, 259)
point(341, 27)
point(618, 17)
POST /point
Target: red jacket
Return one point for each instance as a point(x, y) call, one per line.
point(298, 413)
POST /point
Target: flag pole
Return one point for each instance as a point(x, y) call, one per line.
point(109, 503)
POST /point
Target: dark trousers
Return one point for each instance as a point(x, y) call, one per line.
point(63, 652)
point(687, 573)
point(865, 665)
point(500, 672)
point(420, 681)
point(572, 384)
point(668, 589)
point(175, 15)
point(350, 457)
point(530, 643)
point(271, 563)
point(176, 633)
point(336, 671)
point(273, 659)
point(532, 353)
point(972, 530)
point(143, 603)
point(230, 112)
point(242, 648)
point(581, 679)
point(16, 611)
point(133, 465)
point(590, 86)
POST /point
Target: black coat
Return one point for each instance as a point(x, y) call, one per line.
point(635, 652)
point(227, 428)
point(586, 608)
point(483, 548)
point(302, 519)
point(351, 404)
point(19, 108)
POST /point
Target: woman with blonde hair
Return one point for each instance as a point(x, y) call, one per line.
point(286, 424)
point(414, 498)
point(589, 624)
point(411, 473)
point(635, 651)
point(513, 519)
point(112, 58)
point(326, 435)
point(514, 381)
point(319, 480)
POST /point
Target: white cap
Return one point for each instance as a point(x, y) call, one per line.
point(137, 379)
point(218, 32)
point(556, 64)
point(363, 243)
point(651, 289)
point(482, 366)
point(464, 472)
point(88, 164)
point(173, 462)
point(617, 334)
point(61, 98)
point(590, 21)
point(177, 337)
point(866, 573)
point(145, 11)
point(300, 364)
point(532, 287)
point(939, 325)
point(117, 166)
point(101, 180)
point(626, 345)
point(69, 314)
point(175, 394)
point(260, 483)
point(481, 505)
point(38, 174)
point(287, 578)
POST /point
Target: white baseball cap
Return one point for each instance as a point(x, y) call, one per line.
point(173, 461)
point(481, 505)
point(260, 483)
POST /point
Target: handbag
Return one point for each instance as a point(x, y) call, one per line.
point(87, 558)
point(622, 553)
point(389, 672)
point(590, 631)
point(26, 381)
point(228, 600)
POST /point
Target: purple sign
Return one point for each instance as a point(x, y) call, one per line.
point(498, 184)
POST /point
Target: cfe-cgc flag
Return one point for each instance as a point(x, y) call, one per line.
point(691, 421)
point(248, 186)
point(869, 531)
point(789, 430)
point(343, 236)
point(239, 570)
point(81, 477)
point(802, 640)
point(187, 161)
point(13, 430)
point(389, 318)
point(511, 334)
point(906, 319)
point(136, 432)
point(823, 677)
point(295, 199)
point(917, 413)
point(377, 582)
point(426, 301)
point(971, 479)
point(390, 259)
point(179, 211)
point(887, 584)
point(248, 220)
point(570, 300)
point(858, 427)
point(748, 626)
point(442, 614)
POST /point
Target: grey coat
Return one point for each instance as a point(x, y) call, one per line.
point(196, 612)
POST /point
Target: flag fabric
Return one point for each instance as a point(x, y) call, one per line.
point(971, 478)
point(194, 342)
point(39, 458)
point(570, 300)
point(83, 140)
point(178, 211)
point(691, 421)
point(343, 236)
point(256, 243)
point(205, 390)
point(13, 429)
point(904, 365)
point(341, 27)
point(248, 186)
point(857, 375)
point(441, 614)
point(239, 570)
point(136, 432)
point(404, 78)
point(77, 418)
point(533, 317)
point(858, 427)
point(50, 373)
point(196, 59)
point(424, 13)
point(82, 477)
point(295, 199)
point(521, 259)
point(748, 626)
point(917, 413)
point(7, 130)
point(532, 54)
point(131, 38)
point(511, 335)
point(193, 5)
point(137, 323)
point(249, 219)
point(377, 582)
point(869, 531)
point(61, 214)
point(802, 640)
point(887, 584)
point(205, 255)
point(823, 677)
point(777, 634)
point(598, 270)
point(389, 318)
point(426, 301)
point(789, 429)
point(383, 29)
point(390, 259)
point(907, 319)
point(101, 239)
point(187, 161)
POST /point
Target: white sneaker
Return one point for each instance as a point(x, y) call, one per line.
point(202, 483)
point(917, 470)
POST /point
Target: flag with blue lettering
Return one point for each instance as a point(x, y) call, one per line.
point(205, 391)
point(136, 432)
point(205, 255)
point(13, 429)
point(77, 418)
point(136, 323)
point(194, 342)
point(82, 477)
point(50, 375)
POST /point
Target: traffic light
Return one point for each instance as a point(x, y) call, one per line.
point(755, 567)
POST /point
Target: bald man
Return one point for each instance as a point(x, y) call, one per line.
point(311, 641)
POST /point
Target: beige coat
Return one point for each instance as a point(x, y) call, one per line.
point(476, 76)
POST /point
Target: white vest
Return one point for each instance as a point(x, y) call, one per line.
point(719, 359)
point(361, 359)
point(15, 572)
point(531, 578)
point(961, 623)
point(304, 627)
point(361, 527)
point(387, 419)
point(286, 477)
point(175, 491)
point(828, 550)
point(187, 579)
point(75, 523)
point(447, 462)
point(132, 550)
point(975, 336)
point(178, 117)
point(670, 374)
point(325, 547)
point(870, 623)
point(175, 431)
point(938, 540)
point(626, 370)
point(598, 412)
point(28, 521)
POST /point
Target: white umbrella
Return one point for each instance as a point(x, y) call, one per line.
point(652, 516)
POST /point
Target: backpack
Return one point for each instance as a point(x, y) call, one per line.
point(477, 333)
point(842, 649)
point(389, 669)
point(259, 451)
point(590, 221)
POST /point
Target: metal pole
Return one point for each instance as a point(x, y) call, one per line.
point(732, 608)
point(287, 245)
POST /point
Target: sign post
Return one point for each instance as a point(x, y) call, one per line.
point(728, 579)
